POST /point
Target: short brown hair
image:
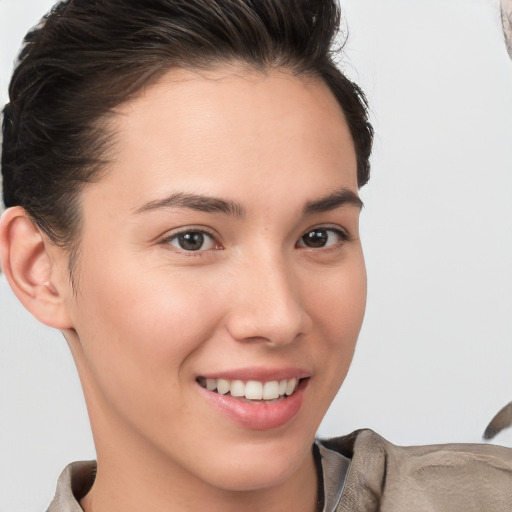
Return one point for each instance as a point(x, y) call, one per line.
point(88, 56)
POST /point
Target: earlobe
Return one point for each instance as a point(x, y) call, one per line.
point(30, 269)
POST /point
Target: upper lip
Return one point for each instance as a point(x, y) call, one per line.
point(262, 374)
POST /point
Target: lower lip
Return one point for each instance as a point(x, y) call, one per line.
point(264, 416)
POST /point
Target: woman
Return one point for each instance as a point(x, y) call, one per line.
point(182, 179)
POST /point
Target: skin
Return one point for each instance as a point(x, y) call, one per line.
point(150, 317)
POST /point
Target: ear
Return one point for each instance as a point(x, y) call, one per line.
point(34, 268)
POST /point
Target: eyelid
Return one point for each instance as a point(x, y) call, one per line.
point(334, 227)
point(339, 230)
point(173, 234)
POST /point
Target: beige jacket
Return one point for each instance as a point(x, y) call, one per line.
point(381, 477)
point(437, 478)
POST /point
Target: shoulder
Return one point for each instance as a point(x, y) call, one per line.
point(454, 477)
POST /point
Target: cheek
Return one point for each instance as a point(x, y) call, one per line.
point(339, 303)
point(138, 341)
point(338, 313)
point(144, 324)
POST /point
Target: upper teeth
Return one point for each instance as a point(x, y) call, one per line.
point(253, 389)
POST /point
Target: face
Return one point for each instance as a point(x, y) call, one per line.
point(221, 278)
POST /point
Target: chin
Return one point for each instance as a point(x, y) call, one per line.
point(258, 465)
point(255, 476)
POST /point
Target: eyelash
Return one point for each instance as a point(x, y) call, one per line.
point(342, 234)
point(188, 231)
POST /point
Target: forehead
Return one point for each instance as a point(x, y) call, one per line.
point(229, 129)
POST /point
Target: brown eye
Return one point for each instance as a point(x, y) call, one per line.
point(321, 237)
point(192, 241)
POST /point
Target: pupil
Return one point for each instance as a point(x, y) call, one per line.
point(317, 238)
point(191, 241)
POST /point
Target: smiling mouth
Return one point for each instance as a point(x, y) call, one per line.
point(252, 390)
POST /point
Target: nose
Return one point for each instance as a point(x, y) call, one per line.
point(266, 303)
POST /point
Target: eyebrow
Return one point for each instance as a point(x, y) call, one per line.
point(195, 202)
point(341, 197)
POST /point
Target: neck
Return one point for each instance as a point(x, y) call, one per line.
point(132, 483)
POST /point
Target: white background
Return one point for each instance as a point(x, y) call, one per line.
point(434, 361)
